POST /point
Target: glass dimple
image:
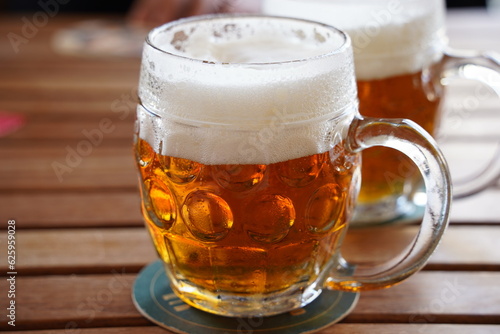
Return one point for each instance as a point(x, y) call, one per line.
point(270, 218)
point(302, 172)
point(325, 208)
point(343, 162)
point(180, 170)
point(163, 205)
point(207, 215)
point(239, 177)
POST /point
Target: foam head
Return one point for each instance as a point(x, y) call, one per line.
point(390, 37)
point(228, 79)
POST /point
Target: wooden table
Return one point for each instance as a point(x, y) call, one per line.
point(80, 240)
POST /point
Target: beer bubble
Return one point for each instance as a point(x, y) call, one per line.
point(325, 208)
point(239, 177)
point(270, 218)
point(180, 170)
point(302, 171)
point(207, 215)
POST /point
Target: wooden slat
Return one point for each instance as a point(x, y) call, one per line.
point(473, 29)
point(339, 328)
point(435, 297)
point(480, 208)
point(72, 209)
point(98, 167)
point(58, 80)
point(107, 92)
point(66, 63)
point(81, 251)
point(102, 250)
point(486, 127)
point(467, 159)
point(104, 300)
point(74, 109)
point(73, 300)
point(62, 130)
point(458, 250)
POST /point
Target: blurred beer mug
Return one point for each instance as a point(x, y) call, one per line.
point(248, 141)
point(401, 62)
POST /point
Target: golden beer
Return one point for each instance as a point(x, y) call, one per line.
point(246, 229)
point(385, 171)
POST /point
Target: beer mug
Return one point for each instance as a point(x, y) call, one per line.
point(401, 59)
point(248, 148)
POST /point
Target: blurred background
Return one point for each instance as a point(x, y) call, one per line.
point(122, 6)
point(107, 6)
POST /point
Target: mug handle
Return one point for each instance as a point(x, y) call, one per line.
point(412, 140)
point(485, 68)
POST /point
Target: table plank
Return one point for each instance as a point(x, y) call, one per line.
point(104, 300)
point(473, 29)
point(92, 251)
point(458, 250)
point(480, 208)
point(442, 297)
point(79, 165)
point(72, 209)
point(81, 250)
point(77, 130)
point(73, 109)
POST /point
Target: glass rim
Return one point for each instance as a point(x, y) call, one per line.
point(342, 48)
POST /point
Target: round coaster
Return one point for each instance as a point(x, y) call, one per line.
point(154, 298)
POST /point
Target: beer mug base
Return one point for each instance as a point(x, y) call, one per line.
point(155, 300)
point(390, 210)
point(246, 305)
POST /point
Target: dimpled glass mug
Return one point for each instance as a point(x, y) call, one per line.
point(248, 145)
point(401, 60)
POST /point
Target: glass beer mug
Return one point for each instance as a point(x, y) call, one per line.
point(401, 59)
point(248, 146)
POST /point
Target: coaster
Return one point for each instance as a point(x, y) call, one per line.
point(154, 299)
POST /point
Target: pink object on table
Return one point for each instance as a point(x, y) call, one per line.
point(10, 123)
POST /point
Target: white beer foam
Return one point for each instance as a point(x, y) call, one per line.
point(392, 37)
point(227, 100)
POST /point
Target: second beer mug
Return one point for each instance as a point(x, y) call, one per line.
point(401, 58)
point(248, 146)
